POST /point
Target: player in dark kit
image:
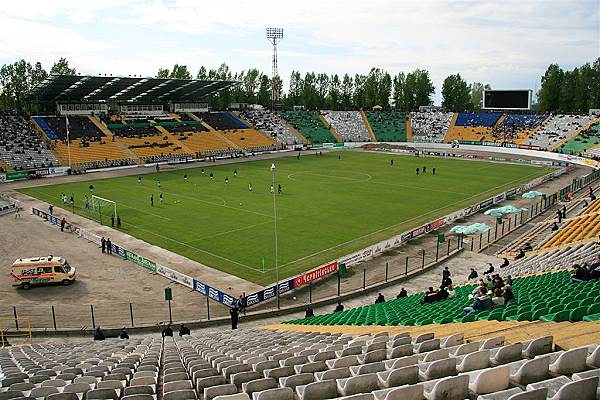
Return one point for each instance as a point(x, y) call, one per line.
point(151, 200)
point(279, 189)
point(433, 170)
point(417, 171)
point(424, 169)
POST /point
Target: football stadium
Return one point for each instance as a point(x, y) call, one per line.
point(253, 230)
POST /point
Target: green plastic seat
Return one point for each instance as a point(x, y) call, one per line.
point(592, 317)
point(578, 313)
point(594, 309)
point(556, 317)
point(523, 316)
point(536, 314)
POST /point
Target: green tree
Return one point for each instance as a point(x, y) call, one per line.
point(456, 94)
point(163, 73)
point(567, 91)
point(549, 93)
point(347, 91)
point(250, 85)
point(334, 97)
point(202, 75)
point(322, 89)
point(384, 92)
point(477, 89)
point(295, 90)
point(61, 67)
point(423, 89)
point(398, 96)
point(180, 72)
point(358, 97)
point(264, 91)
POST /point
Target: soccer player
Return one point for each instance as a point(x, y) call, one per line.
point(211, 175)
point(226, 180)
point(424, 168)
point(92, 189)
point(417, 170)
point(235, 172)
point(161, 199)
point(185, 177)
point(250, 187)
point(339, 156)
point(87, 201)
point(392, 162)
point(139, 180)
point(433, 170)
point(279, 190)
point(64, 199)
point(272, 189)
point(151, 200)
point(202, 171)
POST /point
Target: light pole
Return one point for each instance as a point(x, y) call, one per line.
point(275, 232)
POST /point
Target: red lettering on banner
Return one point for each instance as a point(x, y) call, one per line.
point(315, 274)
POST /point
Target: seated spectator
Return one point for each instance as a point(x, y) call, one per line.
point(497, 282)
point(554, 227)
point(123, 334)
point(308, 312)
point(339, 307)
point(451, 292)
point(473, 274)
point(527, 247)
point(520, 254)
point(480, 302)
point(183, 330)
point(498, 299)
point(98, 335)
point(489, 270)
point(480, 284)
point(380, 299)
point(579, 274)
point(167, 331)
point(402, 294)
point(430, 296)
point(442, 294)
point(507, 293)
point(508, 280)
point(505, 263)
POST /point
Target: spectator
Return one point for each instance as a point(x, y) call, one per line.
point(402, 293)
point(234, 312)
point(63, 222)
point(339, 307)
point(183, 330)
point(118, 221)
point(559, 216)
point(123, 334)
point(480, 302)
point(50, 209)
point(108, 246)
point(380, 299)
point(508, 293)
point(498, 299)
point(473, 274)
point(451, 292)
point(167, 331)
point(505, 263)
point(430, 296)
point(103, 244)
point(527, 247)
point(579, 274)
point(442, 294)
point(308, 312)
point(520, 254)
point(489, 270)
point(554, 227)
point(98, 335)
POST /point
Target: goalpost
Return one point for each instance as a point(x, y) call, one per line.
point(103, 207)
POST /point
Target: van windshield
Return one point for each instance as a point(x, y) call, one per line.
point(66, 267)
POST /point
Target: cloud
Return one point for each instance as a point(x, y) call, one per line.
point(507, 43)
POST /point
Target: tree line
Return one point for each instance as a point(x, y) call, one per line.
point(561, 90)
point(577, 90)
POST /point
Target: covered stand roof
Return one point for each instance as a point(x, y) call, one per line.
point(86, 89)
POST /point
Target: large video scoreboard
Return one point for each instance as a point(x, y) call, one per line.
point(507, 99)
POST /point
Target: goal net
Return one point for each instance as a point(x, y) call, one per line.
point(102, 208)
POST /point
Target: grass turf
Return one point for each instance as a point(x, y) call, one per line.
point(329, 206)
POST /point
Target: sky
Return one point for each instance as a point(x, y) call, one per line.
point(506, 43)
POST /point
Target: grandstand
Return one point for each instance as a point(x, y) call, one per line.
point(309, 125)
point(348, 124)
point(557, 129)
point(272, 125)
point(388, 126)
point(517, 128)
point(20, 146)
point(430, 127)
point(475, 127)
point(587, 141)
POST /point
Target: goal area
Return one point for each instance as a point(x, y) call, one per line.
point(102, 208)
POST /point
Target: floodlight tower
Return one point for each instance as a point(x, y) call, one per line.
point(274, 35)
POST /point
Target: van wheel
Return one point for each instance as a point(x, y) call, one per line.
point(66, 282)
point(26, 286)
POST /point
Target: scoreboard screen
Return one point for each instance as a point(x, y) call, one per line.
point(507, 99)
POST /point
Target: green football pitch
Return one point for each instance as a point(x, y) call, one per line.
point(330, 205)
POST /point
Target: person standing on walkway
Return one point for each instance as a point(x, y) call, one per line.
point(103, 244)
point(235, 315)
point(108, 246)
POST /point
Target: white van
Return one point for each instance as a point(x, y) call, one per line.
point(26, 272)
